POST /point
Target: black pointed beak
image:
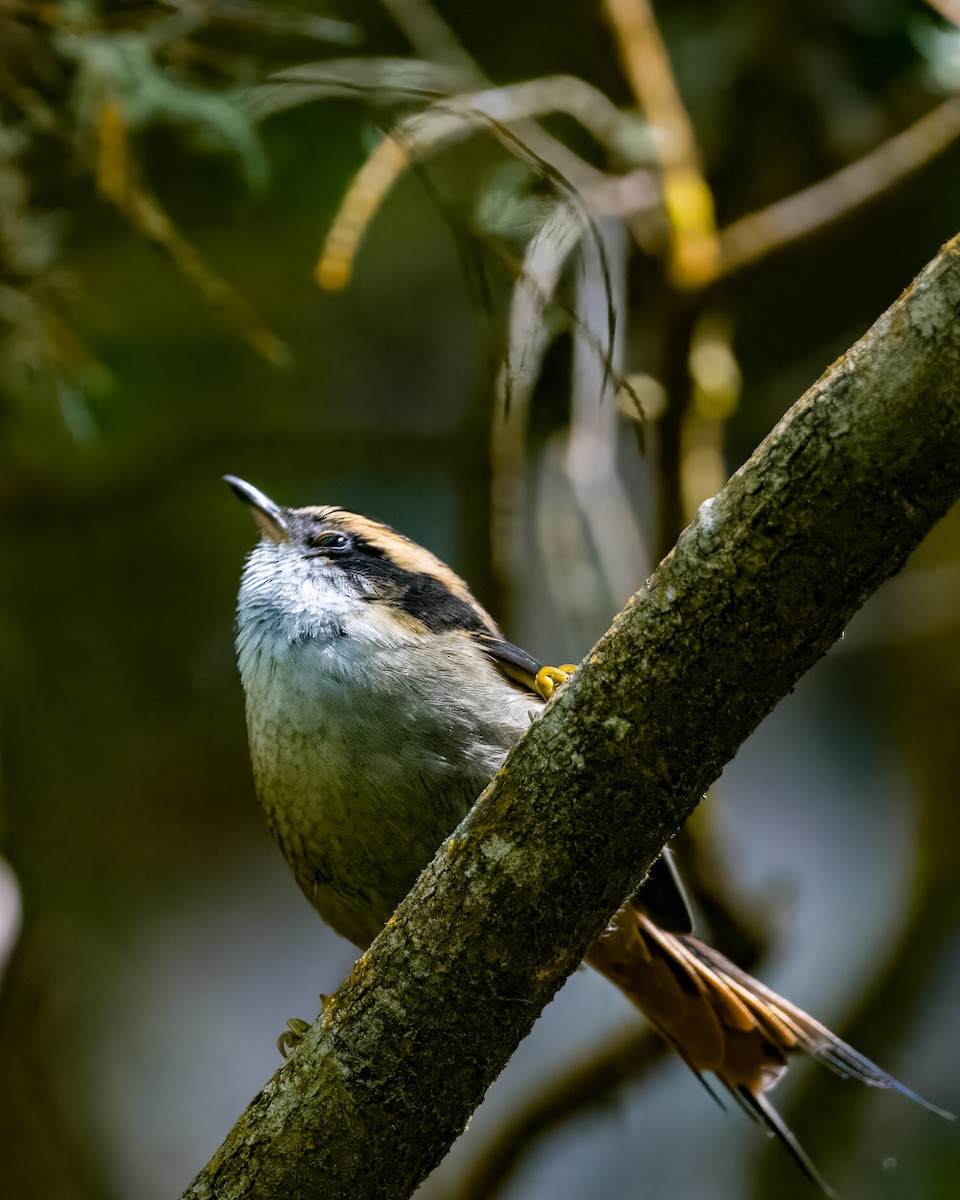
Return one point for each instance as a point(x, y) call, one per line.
point(268, 516)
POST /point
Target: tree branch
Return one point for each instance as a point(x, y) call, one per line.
point(756, 590)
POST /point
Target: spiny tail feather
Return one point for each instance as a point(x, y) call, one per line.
point(760, 1108)
point(812, 1036)
point(722, 1021)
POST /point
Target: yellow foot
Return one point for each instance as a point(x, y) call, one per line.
point(296, 1030)
point(548, 679)
point(292, 1036)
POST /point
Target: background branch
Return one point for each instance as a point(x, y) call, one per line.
point(581, 1087)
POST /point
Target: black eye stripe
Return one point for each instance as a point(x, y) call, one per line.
point(431, 601)
point(418, 594)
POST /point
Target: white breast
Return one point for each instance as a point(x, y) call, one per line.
point(366, 752)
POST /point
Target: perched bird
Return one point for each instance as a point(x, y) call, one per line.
point(381, 699)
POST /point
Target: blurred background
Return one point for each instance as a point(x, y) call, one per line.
point(604, 249)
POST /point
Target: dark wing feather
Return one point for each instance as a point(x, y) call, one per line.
point(518, 666)
point(664, 897)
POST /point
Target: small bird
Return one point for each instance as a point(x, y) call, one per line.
point(381, 699)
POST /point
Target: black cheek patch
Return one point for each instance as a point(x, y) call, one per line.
point(427, 600)
point(418, 594)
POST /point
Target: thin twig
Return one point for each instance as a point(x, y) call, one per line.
point(591, 457)
point(687, 196)
point(431, 36)
point(432, 39)
point(754, 236)
point(115, 181)
point(528, 338)
point(271, 18)
point(366, 193)
point(508, 113)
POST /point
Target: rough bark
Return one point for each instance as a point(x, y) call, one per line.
point(756, 590)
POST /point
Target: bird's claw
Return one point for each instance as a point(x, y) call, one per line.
point(292, 1036)
point(297, 1029)
point(548, 679)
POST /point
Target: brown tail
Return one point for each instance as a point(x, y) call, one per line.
point(722, 1021)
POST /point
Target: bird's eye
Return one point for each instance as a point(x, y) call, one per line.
point(331, 543)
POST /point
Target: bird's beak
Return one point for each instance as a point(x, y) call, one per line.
point(268, 516)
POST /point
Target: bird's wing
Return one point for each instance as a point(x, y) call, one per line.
point(663, 896)
point(519, 667)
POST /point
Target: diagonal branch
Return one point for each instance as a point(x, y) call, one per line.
point(755, 592)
